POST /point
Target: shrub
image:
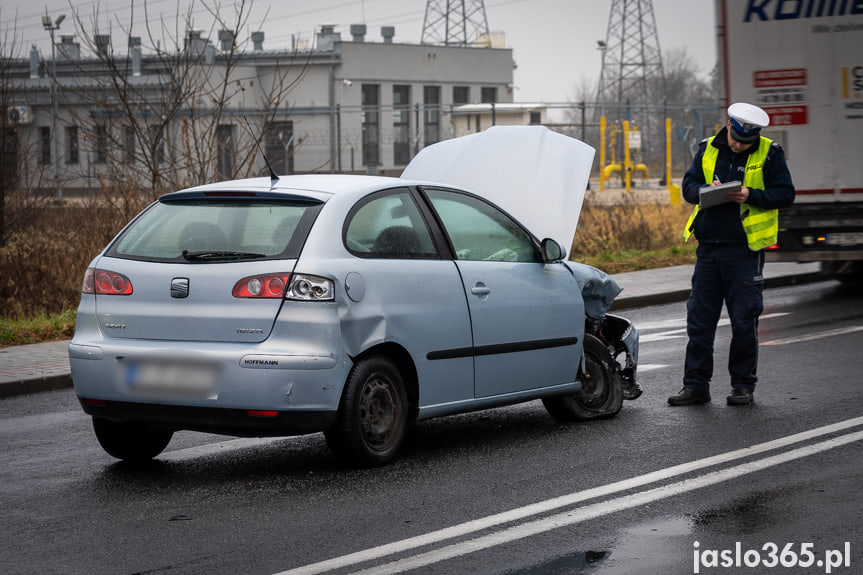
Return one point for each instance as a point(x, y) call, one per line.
point(44, 259)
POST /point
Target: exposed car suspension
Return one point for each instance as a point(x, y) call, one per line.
point(621, 338)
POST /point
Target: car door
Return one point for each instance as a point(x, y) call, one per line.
point(527, 316)
point(401, 290)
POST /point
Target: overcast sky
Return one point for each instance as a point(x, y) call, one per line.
point(553, 41)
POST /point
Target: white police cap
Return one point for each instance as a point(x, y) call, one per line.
point(747, 121)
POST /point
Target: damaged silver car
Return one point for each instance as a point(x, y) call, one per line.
point(352, 306)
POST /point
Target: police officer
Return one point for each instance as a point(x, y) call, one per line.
point(730, 254)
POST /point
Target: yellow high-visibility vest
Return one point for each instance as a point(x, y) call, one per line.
point(761, 225)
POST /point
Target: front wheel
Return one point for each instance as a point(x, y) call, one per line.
point(372, 419)
point(601, 393)
point(136, 442)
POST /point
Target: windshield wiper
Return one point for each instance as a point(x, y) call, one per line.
point(219, 255)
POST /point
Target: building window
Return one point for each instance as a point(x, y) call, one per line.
point(460, 95)
point(371, 124)
point(535, 118)
point(45, 145)
point(488, 95)
point(101, 137)
point(279, 146)
point(128, 144)
point(225, 151)
point(431, 102)
point(72, 144)
point(401, 125)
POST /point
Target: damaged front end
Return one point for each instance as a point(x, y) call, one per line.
point(621, 338)
point(598, 289)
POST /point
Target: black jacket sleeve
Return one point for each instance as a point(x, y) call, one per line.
point(778, 189)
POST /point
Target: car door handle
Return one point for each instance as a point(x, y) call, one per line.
point(480, 289)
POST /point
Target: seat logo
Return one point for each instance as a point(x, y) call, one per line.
point(180, 288)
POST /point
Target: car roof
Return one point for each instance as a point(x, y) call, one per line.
point(317, 186)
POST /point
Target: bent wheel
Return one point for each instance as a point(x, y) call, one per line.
point(372, 416)
point(601, 393)
point(134, 442)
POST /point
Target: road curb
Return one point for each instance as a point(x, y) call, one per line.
point(36, 385)
point(673, 296)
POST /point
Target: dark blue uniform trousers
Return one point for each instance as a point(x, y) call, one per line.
point(730, 274)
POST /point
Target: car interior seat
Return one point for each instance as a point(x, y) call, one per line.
point(202, 236)
point(398, 241)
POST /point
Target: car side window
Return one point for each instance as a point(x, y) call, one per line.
point(479, 231)
point(389, 225)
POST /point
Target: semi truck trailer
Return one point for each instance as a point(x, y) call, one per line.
point(802, 61)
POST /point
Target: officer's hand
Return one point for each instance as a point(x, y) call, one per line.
point(739, 196)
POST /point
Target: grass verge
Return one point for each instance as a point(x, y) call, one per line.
point(634, 260)
point(44, 327)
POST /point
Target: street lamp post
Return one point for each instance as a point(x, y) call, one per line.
point(50, 26)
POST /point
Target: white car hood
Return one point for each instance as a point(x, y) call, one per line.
point(537, 175)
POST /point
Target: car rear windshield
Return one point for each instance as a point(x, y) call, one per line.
point(212, 231)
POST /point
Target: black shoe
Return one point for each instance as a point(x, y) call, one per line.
point(740, 396)
point(632, 390)
point(689, 396)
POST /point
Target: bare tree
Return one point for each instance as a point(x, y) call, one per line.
point(690, 101)
point(172, 117)
point(16, 203)
point(8, 135)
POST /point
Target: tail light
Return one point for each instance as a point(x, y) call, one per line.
point(300, 287)
point(262, 286)
point(104, 282)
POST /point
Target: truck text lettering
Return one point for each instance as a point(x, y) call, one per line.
point(793, 9)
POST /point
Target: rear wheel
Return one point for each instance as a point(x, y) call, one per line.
point(601, 393)
point(131, 441)
point(372, 416)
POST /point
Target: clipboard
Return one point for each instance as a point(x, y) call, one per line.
point(709, 196)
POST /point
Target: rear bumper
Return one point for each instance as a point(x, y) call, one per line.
point(236, 422)
point(264, 378)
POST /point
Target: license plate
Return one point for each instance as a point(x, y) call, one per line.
point(845, 239)
point(167, 379)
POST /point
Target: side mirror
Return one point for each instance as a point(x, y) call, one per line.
point(552, 251)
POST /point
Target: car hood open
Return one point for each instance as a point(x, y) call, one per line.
point(537, 175)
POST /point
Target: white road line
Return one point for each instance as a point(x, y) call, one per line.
point(661, 324)
point(661, 336)
point(557, 503)
point(681, 332)
point(650, 367)
point(595, 510)
point(680, 322)
point(813, 336)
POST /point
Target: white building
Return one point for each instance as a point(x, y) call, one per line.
point(359, 105)
point(470, 118)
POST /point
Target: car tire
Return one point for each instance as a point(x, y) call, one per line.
point(373, 415)
point(601, 393)
point(135, 442)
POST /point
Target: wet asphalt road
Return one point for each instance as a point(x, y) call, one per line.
point(215, 505)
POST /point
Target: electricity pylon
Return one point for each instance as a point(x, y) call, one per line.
point(454, 22)
point(632, 72)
